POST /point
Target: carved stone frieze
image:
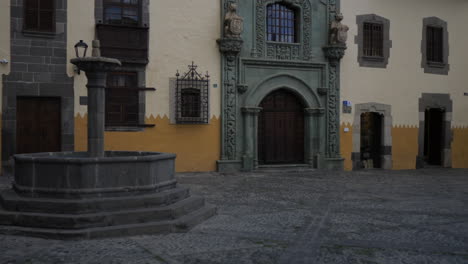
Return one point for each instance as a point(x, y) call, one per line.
point(279, 50)
point(283, 51)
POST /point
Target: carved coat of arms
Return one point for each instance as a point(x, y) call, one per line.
point(236, 25)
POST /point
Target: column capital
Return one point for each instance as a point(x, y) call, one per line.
point(251, 110)
point(314, 111)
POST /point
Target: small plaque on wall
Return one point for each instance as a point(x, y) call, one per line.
point(347, 107)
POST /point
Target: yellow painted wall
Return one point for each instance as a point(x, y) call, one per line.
point(346, 145)
point(405, 147)
point(197, 146)
point(460, 148)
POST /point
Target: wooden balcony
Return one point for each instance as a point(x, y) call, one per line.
point(126, 43)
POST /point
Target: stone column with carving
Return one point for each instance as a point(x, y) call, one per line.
point(230, 48)
point(230, 45)
point(334, 52)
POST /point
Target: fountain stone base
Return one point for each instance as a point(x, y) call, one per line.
point(70, 195)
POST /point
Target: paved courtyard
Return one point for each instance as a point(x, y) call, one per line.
point(306, 217)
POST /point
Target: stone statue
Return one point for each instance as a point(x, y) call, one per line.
point(338, 31)
point(233, 23)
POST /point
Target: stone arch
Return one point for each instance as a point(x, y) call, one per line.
point(313, 117)
point(284, 81)
point(385, 110)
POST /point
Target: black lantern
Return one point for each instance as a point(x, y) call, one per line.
point(81, 45)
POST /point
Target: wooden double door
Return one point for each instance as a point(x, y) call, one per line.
point(281, 129)
point(38, 124)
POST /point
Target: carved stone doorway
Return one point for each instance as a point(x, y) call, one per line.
point(378, 117)
point(281, 129)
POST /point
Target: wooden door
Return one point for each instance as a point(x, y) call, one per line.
point(38, 126)
point(433, 136)
point(371, 140)
point(281, 129)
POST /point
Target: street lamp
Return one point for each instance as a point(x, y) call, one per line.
point(81, 46)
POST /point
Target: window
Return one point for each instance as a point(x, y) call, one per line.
point(434, 44)
point(191, 92)
point(122, 12)
point(373, 40)
point(122, 99)
point(39, 15)
point(281, 24)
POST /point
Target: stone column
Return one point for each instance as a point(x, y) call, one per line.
point(312, 130)
point(250, 134)
point(96, 112)
point(230, 48)
point(334, 53)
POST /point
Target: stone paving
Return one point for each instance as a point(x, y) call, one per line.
point(306, 217)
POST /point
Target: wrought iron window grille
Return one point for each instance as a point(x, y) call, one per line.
point(373, 40)
point(435, 45)
point(192, 100)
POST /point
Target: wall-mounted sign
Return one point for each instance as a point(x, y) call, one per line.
point(347, 107)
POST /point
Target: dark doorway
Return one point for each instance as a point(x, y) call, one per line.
point(433, 135)
point(38, 126)
point(281, 129)
point(371, 140)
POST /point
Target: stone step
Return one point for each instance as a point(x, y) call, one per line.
point(284, 168)
point(102, 219)
point(154, 227)
point(11, 201)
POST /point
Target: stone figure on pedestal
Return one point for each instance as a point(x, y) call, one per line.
point(338, 31)
point(233, 23)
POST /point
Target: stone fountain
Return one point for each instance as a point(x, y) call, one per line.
point(83, 195)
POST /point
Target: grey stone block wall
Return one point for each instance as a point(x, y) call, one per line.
point(38, 69)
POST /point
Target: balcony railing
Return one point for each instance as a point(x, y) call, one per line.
point(126, 43)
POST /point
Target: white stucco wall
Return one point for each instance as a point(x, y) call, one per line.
point(4, 41)
point(181, 31)
point(80, 26)
point(403, 81)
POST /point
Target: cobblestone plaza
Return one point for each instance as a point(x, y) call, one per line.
point(301, 217)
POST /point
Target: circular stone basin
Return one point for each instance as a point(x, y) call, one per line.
point(76, 174)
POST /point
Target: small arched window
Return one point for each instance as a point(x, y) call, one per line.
point(281, 23)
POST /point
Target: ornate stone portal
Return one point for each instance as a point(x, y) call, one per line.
point(81, 195)
point(253, 67)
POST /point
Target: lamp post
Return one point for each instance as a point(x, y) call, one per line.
point(81, 47)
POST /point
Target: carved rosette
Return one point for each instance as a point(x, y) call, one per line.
point(230, 48)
